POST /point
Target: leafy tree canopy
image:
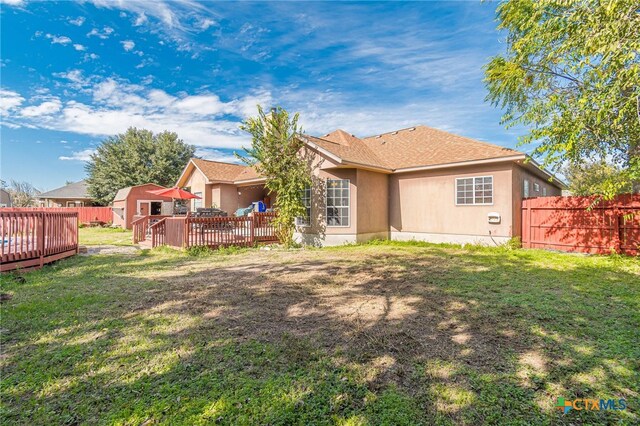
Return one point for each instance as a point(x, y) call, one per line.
point(594, 178)
point(275, 153)
point(136, 157)
point(571, 76)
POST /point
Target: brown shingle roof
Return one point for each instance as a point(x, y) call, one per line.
point(424, 146)
point(218, 171)
point(348, 148)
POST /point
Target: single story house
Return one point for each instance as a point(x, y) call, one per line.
point(75, 194)
point(5, 198)
point(416, 183)
point(136, 200)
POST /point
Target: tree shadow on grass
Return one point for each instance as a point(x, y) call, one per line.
point(397, 336)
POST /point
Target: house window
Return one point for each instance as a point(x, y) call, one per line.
point(536, 187)
point(544, 191)
point(525, 191)
point(197, 202)
point(306, 201)
point(338, 196)
point(474, 190)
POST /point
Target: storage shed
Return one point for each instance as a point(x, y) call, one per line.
point(136, 200)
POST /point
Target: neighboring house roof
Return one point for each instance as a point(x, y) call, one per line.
point(75, 191)
point(123, 193)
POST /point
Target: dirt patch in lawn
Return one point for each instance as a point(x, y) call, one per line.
point(363, 309)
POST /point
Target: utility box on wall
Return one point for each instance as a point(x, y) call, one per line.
point(494, 218)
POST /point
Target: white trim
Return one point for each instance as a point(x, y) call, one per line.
point(461, 163)
point(147, 201)
point(455, 191)
point(326, 206)
point(306, 225)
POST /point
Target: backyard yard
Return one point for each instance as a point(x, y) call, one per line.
point(384, 333)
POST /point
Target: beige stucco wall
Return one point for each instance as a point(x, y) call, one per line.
point(197, 182)
point(424, 202)
point(373, 204)
point(519, 175)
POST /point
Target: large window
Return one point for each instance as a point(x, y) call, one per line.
point(338, 202)
point(306, 201)
point(197, 202)
point(474, 190)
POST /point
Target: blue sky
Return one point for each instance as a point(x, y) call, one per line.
point(75, 73)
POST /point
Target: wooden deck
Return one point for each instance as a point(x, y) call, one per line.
point(214, 232)
point(30, 239)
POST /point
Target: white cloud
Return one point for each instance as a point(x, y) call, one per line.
point(140, 20)
point(78, 21)
point(84, 155)
point(45, 108)
point(58, 39)
point(216, 155)
point(201, 119)
point(80, 47)
point(206, 23)
point(128, 45)
point(104, 34)
point(89, 56)
point(9, 100)
point(12, 2)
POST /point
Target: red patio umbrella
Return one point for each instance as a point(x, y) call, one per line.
point(175, 193)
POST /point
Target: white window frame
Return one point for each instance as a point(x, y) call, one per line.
point(526, 190)
point(455, 191)
point(544, 191)
point(195, 200)
point(536, 187)
point(300, 220)
point(348, 206)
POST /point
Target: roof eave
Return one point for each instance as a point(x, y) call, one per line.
point(551, 176)
point(321, 150)
point(461, 163)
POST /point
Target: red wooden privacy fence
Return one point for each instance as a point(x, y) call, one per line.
point(31, 239)
point(214, 232)
point(567, 224)
point(85, 214)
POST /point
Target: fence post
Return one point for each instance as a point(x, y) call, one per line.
point(252, 232)
point(185, 232)
point(617, 243)
point(41, 237)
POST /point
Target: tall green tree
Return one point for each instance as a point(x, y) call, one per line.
point(136, 157)
point(594, 178)
point(571, 76)
point(275, 152)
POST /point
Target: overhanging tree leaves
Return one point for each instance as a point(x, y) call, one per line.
point(571, 75)
point(136, 157)
point(275, 153)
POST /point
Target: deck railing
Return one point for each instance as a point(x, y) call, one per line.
point(30, 239)
point(141, 226)
point(214, 232)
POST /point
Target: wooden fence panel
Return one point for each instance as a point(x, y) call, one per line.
point(31, 238)
point(85, 214)
point(581, 224)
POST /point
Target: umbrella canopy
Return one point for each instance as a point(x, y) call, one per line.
point(175, 193)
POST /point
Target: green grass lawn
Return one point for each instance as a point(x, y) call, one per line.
point(91, 236)
point(372, 334)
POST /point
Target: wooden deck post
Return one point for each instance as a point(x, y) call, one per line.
point(41, 237)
